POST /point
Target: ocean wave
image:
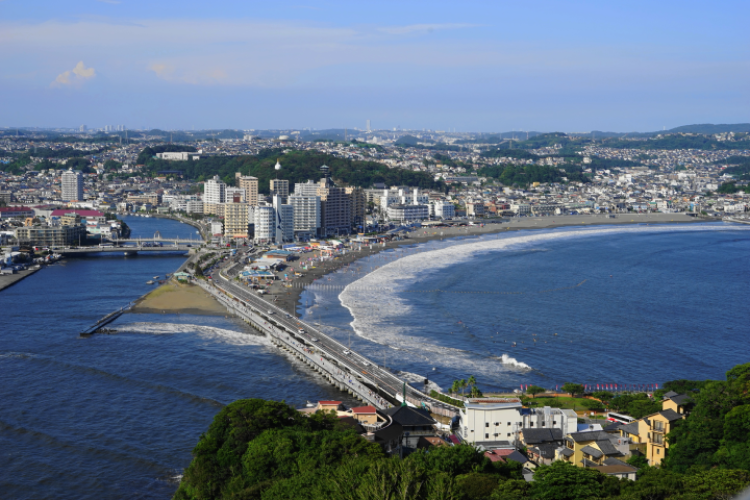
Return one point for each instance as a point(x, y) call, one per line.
point(378, 310)
point(417, 381)
point(205, 332)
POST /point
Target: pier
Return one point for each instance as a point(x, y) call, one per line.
point(109, 318)
point(345, 369)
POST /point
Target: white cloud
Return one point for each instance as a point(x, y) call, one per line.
point(75, 76)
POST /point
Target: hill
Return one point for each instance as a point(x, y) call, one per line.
point(297, 166)
point(709, 128)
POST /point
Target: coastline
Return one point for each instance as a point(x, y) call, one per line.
point(290, 298)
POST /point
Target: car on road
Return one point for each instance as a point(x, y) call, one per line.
point(346, 352)
point(314, 339)
point(302, 330)
point(270, 311)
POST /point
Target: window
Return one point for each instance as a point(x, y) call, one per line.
point(497, 423)
point(509, 434)
point(531, 424)
point(544, 424)
point(554, 422)
point(658, 451)
point(658, 439)
point(486, 436)
point(486, 424)
point(508, 423)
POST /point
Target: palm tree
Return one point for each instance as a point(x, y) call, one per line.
point(462, 384)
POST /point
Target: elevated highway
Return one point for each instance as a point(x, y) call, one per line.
point(346, 369)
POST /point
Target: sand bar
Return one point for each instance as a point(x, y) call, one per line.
point(174, 298)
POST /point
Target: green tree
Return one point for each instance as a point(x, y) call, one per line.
point(572, 388)
point(564, 481)
point(534, 390)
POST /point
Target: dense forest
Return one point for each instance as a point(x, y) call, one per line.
point(297, 166)
point(257, 449)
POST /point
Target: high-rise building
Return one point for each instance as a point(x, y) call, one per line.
point(264, 219)
point(368, 126)
point(250, 185)
point(309, 188)
point(71, 184)
point(215, 191)
point(235, 220)
point(335, 207)
point(306, 215)
point(235, 195)
point(357, 198)
point(214, 196)
point(284, 220)
point(280, 187)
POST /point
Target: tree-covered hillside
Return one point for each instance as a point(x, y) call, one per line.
point(297, 166)
point(266, 450)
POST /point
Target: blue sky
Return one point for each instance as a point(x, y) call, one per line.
point(473, 66)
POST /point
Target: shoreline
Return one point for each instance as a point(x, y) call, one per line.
point(290, 298)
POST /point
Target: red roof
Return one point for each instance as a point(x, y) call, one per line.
point(15, 209)
point(493, 457)
point(82, 213)
point(329, 402)
point(364, 409)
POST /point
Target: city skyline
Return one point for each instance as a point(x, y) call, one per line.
point(484, 67)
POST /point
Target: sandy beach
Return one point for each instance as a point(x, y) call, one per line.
point(289, 298)
point(190, 299)
point(172, 298)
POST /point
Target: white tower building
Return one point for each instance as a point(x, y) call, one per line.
point(72, 185)
point(215, 191)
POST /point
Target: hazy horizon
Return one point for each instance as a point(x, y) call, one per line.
point(485, 67)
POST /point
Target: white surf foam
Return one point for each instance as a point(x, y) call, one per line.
point(376, 307)
point(417, 381)
point(205, 332)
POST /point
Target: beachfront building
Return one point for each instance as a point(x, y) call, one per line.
point(408, 213)
point(520, 208)
point(306, 215)
point(71, 184)
point(475, 209)
point(358, 203)
point(335, 217)
point(284, 213)
point(235, 220)
point(194, 207)
point(402, 197)
point(264, 220)
point(487, 421)
point(442, 210)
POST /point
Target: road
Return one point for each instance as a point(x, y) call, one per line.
point(360, 367)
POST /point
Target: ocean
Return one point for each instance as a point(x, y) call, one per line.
point(116, 416)
point(627, 305)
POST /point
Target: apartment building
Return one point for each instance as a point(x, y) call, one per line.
point(71, 185)
point(235, 220)
point(306, 215)
point(250, 185)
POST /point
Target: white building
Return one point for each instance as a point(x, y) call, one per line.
point(520, 208)
point(182, 156)
point(403, 197)
point(235, 195)
point(406, 213)
point(284, 221)
point(482, 423)
point(71, 184)
point(264, 219)
point(442, 210)
point(194, 207)
point(306, 215)
point(215, 191)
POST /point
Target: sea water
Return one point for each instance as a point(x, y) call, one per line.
point(632, 305)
